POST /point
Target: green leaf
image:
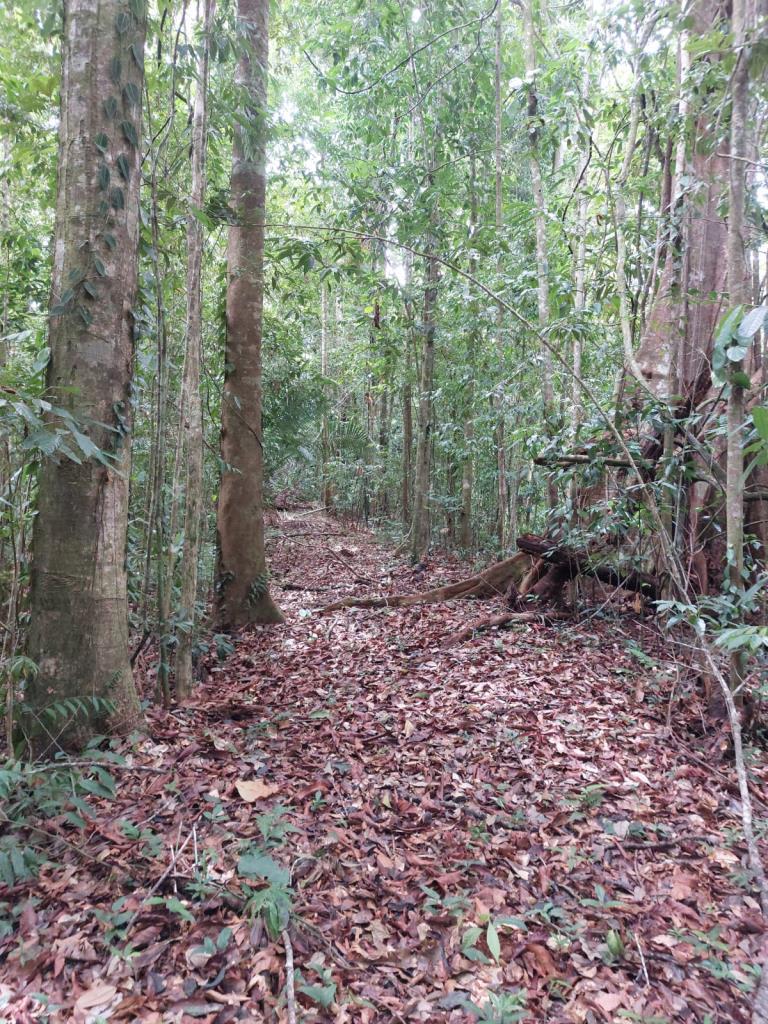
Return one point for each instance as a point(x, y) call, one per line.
point(752, 322)
point(138, 54)
point(101, 142)
point(760, 420)
point(261, 865)
point(324, 995)
point(736, 353)
point(103, 177)
point(131, 94)
point(116, 70)
point(129, 131)
point(90, 289)
point(728, 327)
point(123, 167)
point(117, 199)
point(177, 907)
point(492, 938)
point(110, 106)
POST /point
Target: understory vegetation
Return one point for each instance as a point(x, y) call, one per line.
point(383, 511)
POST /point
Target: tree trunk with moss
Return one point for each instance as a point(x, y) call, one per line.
point(242, 590)
point(79, 631)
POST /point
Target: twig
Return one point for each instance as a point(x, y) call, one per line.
point(642, 960)
point(358, 578)
point(290, 989)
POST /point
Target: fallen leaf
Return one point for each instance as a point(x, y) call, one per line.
point(97, 995)
point(252, 790)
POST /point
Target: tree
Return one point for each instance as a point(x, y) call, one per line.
point(242, 587)
point(79, 634)
point(191, 403)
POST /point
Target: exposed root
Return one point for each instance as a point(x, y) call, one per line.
point(491, 582)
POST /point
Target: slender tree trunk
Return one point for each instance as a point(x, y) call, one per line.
point(498, 399)
point(468, 464)
point(192, 408)
point(579, 302)
point(407, 450)
point(421, 530)
point(540, 218)
point(738, 294)
point(421, 511)
point(79, 632)
point(242, 591)
point(325, 443)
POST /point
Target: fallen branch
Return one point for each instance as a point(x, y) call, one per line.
point(290, 987)
point(491, 621)
point(492, 582)
point(351, 568)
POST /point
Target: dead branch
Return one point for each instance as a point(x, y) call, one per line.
point(290, 987)
point(492, 621)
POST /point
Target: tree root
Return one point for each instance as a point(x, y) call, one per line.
point(492, 582)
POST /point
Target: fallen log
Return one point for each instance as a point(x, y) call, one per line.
point(491, 582)
point(566, 564)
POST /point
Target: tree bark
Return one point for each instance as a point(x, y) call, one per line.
point(738, 295)
point(498, 399)
point(79, 632)
point(421, 510)
point(242, 590)
point(468, 462)
point(540, 220)
point(191, 400)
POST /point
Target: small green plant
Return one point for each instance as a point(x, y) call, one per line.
point(152, 842)
point(273, 900)
point(31, 793)
point(323, 991)
point(500, 1008)
point(588, 798)
point(273, 826)
point(434, 903)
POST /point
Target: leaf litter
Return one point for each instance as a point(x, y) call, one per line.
point(502, 830)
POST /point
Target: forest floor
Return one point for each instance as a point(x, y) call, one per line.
point(506, 823)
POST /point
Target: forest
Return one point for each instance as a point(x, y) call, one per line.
point(384, 511)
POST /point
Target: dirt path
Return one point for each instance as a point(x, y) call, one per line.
point(507, 822)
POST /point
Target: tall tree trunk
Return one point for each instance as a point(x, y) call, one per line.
point(421, 487)
point(738, 295)
point(79, 632)
point(421, 529)
point(498, 399)
point(579, 303)
point(242, 591)
point(540, 219)
point(325, 443)
point(191, 400)
point(468, 464)
point(407, 399)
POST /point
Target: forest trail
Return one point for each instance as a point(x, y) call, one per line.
point(507, 822)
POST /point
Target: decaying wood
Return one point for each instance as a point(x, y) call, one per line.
point(493, 581)
point(566, 563)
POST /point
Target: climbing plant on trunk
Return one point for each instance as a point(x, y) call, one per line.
point(79, 634)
